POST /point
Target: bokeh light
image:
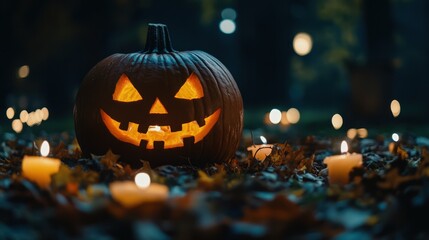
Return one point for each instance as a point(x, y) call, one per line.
point(351, 133)
point(263, 139)
point(23, 71)
point(395, 107)
point(39, 115)
point(275, 116)
point(293, 115)
point(229, 13)
point(362, 132)
point(337, 121)
point(302, 44)
point(227, 26)
point(267, 119)
point(142, 180)
point(17, 125)
point(45, 112)
point(31, 119)
point(23, 116)
point(10, 113)
point(284, 121)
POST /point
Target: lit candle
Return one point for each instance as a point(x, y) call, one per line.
point(39, 169)
point(260, 152)
point(339, 166)
point(393, 146)
point(131, 194)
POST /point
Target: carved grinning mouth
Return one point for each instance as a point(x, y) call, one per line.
point(160, 134)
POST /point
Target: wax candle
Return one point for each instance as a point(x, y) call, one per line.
point(393, 146)
point(131, 194)
point(339, 166)
point(261, 151)
point(40, 168)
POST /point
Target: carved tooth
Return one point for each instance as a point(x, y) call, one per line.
point(124, 126)
point(188, 141)
point(143, 128)
point(143, 144)
point(176, 127)
point(158, 145)
point(201, 122)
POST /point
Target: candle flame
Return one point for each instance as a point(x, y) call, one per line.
point(44, 148)
point(142, 180)
point(395, 137)
point(344, 147)
point(263, 139)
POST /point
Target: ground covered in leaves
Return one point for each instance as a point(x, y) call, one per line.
point(287, 196)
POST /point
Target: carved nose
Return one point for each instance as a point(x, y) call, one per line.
point(158, 108)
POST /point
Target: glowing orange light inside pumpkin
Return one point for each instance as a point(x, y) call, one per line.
point(125, 91)
point(170, 139)
point(191, 89)
point(158, 108)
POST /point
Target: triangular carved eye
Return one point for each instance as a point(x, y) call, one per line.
point(191, 89)
point(125, 91)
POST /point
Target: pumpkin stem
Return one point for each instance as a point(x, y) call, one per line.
point(158, 39)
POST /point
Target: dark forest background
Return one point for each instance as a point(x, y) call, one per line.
point(365, 53)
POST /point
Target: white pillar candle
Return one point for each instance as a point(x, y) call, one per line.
point(340, 166)
point(131, 194)
point(40, 168)
point(260, 152)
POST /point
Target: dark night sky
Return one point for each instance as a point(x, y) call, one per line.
point(364, 54)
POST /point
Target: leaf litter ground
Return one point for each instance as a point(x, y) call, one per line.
point(286, 196)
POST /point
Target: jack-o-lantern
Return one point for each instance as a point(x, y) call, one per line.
point(160, 105)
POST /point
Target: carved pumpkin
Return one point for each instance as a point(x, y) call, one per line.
point(159, 105)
